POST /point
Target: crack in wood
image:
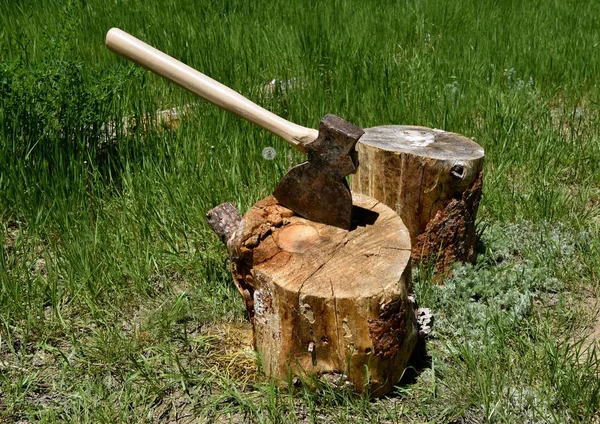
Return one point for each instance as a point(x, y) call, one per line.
point(338, 249)
point(326, 297)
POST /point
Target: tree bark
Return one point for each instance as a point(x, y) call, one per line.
point(427, 176)
point(326, 302)
point(224, 220)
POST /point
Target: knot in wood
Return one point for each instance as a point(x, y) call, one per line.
point(458, 171)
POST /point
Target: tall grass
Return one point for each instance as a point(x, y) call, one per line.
point(110, 277)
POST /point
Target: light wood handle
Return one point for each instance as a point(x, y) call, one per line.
point(213, 91)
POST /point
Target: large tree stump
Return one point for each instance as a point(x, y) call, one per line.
point(325, 301)
point(432, 179)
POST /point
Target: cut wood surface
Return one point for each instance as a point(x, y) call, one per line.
point(426, 175)
point(324, 301)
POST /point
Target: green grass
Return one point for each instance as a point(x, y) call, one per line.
point(116, 304)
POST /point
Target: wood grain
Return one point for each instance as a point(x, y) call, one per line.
point(326, 301)
point(419, 172)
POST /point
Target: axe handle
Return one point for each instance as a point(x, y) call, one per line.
point(213, 91)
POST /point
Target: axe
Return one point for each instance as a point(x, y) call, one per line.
point(316, 189)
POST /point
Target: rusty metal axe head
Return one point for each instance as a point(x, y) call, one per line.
point(317, 189)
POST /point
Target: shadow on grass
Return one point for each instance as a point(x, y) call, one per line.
point(419, 361)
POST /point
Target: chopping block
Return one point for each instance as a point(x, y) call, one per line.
point(433, 179)
point(325, 302)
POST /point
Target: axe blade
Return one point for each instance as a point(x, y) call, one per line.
point(317, 189)
point(316, 195)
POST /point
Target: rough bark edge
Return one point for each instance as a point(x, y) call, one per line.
point(388, 332)
point(224, 220)
point(450, 235)
point(258, 223)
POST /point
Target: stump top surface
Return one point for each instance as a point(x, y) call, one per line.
point(315, 259)
point(422, 141)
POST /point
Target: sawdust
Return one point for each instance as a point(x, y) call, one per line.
point(232, 350)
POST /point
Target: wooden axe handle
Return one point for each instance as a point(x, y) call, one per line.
point(164, 65)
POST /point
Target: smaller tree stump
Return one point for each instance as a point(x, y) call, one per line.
point(432, 179)
point(323, 301)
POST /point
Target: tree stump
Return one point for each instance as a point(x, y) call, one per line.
point(432, 179)
point(326, 302)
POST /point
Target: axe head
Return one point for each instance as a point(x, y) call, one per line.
point(317, 189)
